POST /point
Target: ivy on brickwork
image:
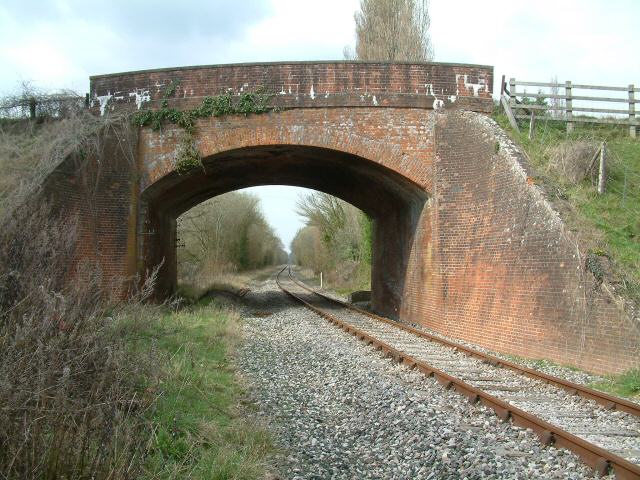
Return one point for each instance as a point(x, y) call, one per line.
point(187, 154)
point(594, 266)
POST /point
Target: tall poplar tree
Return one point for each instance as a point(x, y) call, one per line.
point(392, 30)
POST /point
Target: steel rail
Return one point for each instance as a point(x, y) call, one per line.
point(601, 460)
point(608, 401)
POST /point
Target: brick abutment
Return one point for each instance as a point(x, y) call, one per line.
point(464, 243)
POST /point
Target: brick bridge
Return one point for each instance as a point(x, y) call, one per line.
point(465, 242)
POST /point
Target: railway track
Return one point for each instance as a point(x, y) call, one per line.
point(602, 429)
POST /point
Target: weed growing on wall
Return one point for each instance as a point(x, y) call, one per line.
point(187, 155)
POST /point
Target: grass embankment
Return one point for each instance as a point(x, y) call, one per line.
point(91, 388)
point(609, 224)
point(199, 430)
point(625, 385)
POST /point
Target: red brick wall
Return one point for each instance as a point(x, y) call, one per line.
point(500, 268)
point(100, 190)
point(308, 84)
point(464, 243)
point(384, 171)
point(480, 256)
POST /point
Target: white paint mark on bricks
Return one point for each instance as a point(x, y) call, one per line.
point(475, 87)
point(438, 103)
point(103, 101)
point(141, 96)
point(312, 94)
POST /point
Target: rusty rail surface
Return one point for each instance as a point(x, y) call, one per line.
point(608, 401)
point(601, 460)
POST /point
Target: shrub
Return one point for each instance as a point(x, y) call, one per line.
point(70, 384)
point(571, 159)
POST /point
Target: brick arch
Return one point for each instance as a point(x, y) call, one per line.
point(380, 136)
point(380, 187)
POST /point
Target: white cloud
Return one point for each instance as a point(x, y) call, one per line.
point(297, 30)
point(585, 41)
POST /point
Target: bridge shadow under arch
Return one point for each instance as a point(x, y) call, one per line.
point(393, 201)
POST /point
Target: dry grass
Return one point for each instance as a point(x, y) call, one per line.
point(30, 151)
point(71, 396)
point(80, 378)
point(232, 282)
point(69, 384)
point(571, 159)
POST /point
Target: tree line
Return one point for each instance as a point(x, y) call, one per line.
point(335, 240)
point(225, 234)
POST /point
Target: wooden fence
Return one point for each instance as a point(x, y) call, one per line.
point(563, 95)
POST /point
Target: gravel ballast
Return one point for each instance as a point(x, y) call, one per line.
point(338, 409)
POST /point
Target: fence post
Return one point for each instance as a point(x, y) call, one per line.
point(508, 105)
point(569, 103)
point(512, 94)
point(532, 124)
point(632, 111)
point(602, 176)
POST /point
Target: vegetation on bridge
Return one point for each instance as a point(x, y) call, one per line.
point(216, 106)
point(187, 154)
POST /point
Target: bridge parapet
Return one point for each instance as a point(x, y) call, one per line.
point(306, 85)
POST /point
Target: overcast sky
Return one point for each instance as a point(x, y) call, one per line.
point(59, 43)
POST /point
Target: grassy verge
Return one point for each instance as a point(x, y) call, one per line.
point(625, 385)
point(609, 224)
point(228, 282)
point(199, 432)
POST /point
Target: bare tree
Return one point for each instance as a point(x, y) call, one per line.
point(323, 211)
point(224, 234)
point(392, 30)
point(335, 240)
point(557, 104)
point(31, 102)
point(308, 249)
